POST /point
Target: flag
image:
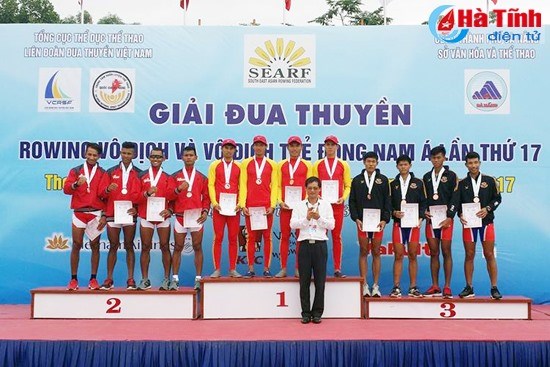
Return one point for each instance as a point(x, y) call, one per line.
point(287, 4)
point(184, 4)
point(494, 1)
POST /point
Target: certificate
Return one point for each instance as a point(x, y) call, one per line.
point(190, 218)
point(293, 196)
point(91, 229)
point(330, 189)
point(228, 203)
point(371, 220)
point(258, 219)
point(410, 218)
point(154, 206)
point(439, 214)
point(121, 212)
point(469, 211)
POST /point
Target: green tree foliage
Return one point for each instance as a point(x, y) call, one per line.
point(75, 19)
point(110, 19)
point(9, 11)
point(27, 11)
point(348, 12)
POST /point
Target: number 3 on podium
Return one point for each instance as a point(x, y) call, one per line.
point(448, 310)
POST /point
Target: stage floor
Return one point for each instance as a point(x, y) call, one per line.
point(17, 325)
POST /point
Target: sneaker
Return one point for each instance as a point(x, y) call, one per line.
point(250, 274)
point(366, 292)
point(296, 274)
point(144, 284)
point(197, 285)
point(93, 285)
point(415, 292)
point(164, 285)
point(235, 274)
point(467, 292)
point(447, 293)
point(316, 319)
point(376, 291)
point(107, 285)
point(73, 285)
point(433, 291)
point(174, 285)
point(216, 274)
point(495, 294)
point(281, 274)
point(305, 319)
point(131, 284)
point(267, 274)
point(338, 274)
point(395, 292)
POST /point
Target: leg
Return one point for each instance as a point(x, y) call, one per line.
point(489, 253)
point(305, 279)
point(470, 253)
point(164, 241)
point(78, 240)
point(434, 260)
point(196, 238)
point(319, 264)
point(398, 253)
point(363, 254)
point(284, 225)
point(179, 241)
point(233, 228)
point(447, 261)
point(113, 234)
point(336, 234)
point(268, 244)
point(129, 235)
point(413, 264)
point(218, 224)
point(250, 244)
point(146, 235)
point(376, 243)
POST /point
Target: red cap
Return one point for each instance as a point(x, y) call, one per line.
point(229, 142)
point(332, 138)
point(294, 139)
point(259, 139)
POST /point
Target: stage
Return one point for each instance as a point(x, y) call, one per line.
point(281, 342)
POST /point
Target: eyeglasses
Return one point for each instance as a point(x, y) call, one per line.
point(156, 156)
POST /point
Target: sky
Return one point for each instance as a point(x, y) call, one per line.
point(268, 12)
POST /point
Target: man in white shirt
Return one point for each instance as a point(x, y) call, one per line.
point(313, 217)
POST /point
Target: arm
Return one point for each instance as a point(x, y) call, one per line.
point(274, 184)
point(455, 199)
point(243, 182)
point(298, 219)
point(347, 180)
point(496, 199)
point(353, 202)
point(212, 182)
point(326, 219)
point(280, 181)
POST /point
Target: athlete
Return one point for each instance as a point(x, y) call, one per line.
point(370, 190)
point(482, 189)
point(335, 176)
point(291, 174)
point(82, 184)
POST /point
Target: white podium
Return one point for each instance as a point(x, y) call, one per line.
point(118, 303)
point(270, 298)
point(508, 308)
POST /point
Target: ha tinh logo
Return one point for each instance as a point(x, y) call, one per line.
point(279, 61)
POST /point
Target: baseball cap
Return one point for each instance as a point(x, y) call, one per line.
point(229, 142)
point(294, 139)
point(259, 139)
point(332, 138)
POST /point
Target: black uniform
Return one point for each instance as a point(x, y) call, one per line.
point(447, 191)
point(415, 194)
point(489, 195)
point(379, 197)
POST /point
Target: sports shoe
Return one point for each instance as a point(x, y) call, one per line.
point(216, 274)
point(267, 274)
point(495, 294)
point(107, 285)
point(376, 291)
point(235, 274)
point(415, 292)
point(174, 285)
point(281, 274)
point(316, 319)
point(197, 285)
point(131, 284)
point(467, 292)
point(366, 292)
point(296, 274)
point(339, 274)
point(73, 285)
point(250, 274)
point(395, 292)
point(447, 293)
point(144, 284)
point(433, 291)
point(305, 319)
point(164, 285)
point(93, 285)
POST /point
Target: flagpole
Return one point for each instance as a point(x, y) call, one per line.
point(284, 13)
point(185, 16)
point(385, 19)
point(487, 7)
point(81, 11)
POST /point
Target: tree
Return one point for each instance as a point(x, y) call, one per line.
point(110, 19)
point(9, 11)
point(75, 19)
point(37, 11)
point(349, 12)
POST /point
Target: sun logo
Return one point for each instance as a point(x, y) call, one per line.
point(57, 242)
point(279, 55)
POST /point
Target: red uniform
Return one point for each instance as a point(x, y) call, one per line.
point(114, 175)
point(342, 174)
point(165, 188)
point(254, 193)
point(84, 201)
point(199, 194)
point(216, 186)
point(303, 171)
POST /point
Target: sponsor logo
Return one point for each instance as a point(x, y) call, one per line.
point(279, 61)
point(451, 25)
point(59, 90)
point(414, 186)
point(57, 242)
point(378, 181)
point(487, 91)
point(483, 185)
point(112, 90)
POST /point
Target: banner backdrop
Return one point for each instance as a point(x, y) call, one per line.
point(393, 90)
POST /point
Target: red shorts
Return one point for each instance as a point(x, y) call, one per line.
point(440, 233)
point(370, 235)
point(405, 235)
point(80, 219)
point(485, 233)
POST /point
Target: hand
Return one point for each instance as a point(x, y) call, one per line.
point(102, 223)
point(166, 213)
point(419, 222)
point(359, 224)
point(340, 201)
point(237, 209)
point(81, 181)
point(382, 225)
point(446, 223)
point(202, 218)
point(427, 214)
point(218, 208)
point(284, 206)
point(245, 211)
point(132, 211)
point(269, 211)
point(482, 213)
point(398, 214)
point(152, 191)
point(111, 187)
point(463, 221)
point(184, 186)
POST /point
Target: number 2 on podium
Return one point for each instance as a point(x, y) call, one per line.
point(282, 301)
point(115, 305)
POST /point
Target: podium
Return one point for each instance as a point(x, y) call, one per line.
point(483, 308)
point(272, 298)
point(118, 303)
